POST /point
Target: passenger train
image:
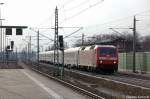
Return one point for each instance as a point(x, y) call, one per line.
point(94, 58)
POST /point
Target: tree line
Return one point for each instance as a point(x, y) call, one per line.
point(123, 41)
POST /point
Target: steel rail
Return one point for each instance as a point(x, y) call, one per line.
point(88, 93)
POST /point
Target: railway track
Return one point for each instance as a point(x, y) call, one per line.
point(130, 79)
point(73, 86)
point(126, 85)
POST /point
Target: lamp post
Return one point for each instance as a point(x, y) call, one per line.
point(1, 34)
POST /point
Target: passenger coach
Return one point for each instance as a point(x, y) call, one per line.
point(95, 57)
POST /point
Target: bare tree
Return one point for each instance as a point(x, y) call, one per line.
point(146, 43)
point(123, 41)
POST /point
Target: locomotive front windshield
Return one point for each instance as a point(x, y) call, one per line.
point(107, 51)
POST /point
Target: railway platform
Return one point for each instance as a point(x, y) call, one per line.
point(26, 84)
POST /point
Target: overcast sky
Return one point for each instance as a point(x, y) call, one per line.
point(85, 13)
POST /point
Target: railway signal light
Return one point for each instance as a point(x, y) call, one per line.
point(8, 47)
point(8, 31)
point(12, 44)
point(61, 42)
point(61, 47)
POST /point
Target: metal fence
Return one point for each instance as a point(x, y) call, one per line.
point(142, 61)
point(7, 57)
point(28, 57)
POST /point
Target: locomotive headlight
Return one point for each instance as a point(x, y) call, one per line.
point(101, 61)
point(115, 62)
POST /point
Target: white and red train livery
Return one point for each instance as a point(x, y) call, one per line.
point(95, 57)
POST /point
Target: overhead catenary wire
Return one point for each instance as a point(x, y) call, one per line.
point(77, 6)
point(126, 17)
point(73, 33)
point(114, 22)
point(42, 34)
point(81, 11)
point(131, 16)
point(52, 14)
point(68, 2)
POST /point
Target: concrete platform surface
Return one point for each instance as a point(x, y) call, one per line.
point(26, 84)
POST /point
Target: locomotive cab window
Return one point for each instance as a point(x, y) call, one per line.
point(107, 51)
